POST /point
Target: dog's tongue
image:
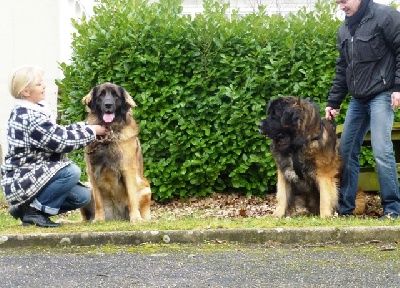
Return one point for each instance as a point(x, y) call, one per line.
point(108, 117)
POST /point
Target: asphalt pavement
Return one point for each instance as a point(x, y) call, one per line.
point(276, 257)
point(205, 265)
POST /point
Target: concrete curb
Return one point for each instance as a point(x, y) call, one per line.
point(340, 235)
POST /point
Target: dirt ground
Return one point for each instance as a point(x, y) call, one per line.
point(234, 206)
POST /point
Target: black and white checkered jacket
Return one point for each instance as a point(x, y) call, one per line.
point(36, 150)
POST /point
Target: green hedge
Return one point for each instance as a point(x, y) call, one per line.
point(201, 85)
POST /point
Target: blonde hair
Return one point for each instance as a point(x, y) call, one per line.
point(22, 77)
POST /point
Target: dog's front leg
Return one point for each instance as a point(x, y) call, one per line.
point(328, 195)
point(98, 205)
point(282, 196)
point(133, 193)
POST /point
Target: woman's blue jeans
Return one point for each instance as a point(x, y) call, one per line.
point(376, 115)
point(63, 192)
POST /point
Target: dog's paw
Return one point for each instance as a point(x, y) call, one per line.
point(66, 221)
point(279, 213)
point(146, 215)
point(146, 218)
point(136, 219)
point(325, 215)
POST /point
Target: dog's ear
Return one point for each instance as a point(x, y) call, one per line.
point(127, 101)
point(90, 100)
point(271, 104)
point(87, 99)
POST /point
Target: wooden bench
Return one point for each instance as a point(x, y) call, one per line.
point(368, 180)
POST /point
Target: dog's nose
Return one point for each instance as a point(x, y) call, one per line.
point(108, 106)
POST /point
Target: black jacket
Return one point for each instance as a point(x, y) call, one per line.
point(368, 62)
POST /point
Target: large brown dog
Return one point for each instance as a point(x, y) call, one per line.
point(305, 150)
point(114, 162)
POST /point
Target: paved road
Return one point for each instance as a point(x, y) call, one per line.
point(208, 265)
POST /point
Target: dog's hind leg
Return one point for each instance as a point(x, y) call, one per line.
point(144, 204)
point(144, 199)
point(144, 185)
point(328, 195)
point(88, 211)
point(283, 196)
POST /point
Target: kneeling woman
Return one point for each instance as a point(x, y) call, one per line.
point(38, 179)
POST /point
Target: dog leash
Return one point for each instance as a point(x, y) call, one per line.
point(333, 121)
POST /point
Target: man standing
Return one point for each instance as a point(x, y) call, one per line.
point(368, 68)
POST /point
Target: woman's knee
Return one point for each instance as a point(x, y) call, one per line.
point(80, 196)
point(73, 172)
point(86, 197)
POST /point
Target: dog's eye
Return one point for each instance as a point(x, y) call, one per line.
point(102, 93)
point(280, 136)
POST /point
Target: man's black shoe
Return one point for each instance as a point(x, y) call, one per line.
point(33, 216)
point(18, 211)
point(389, 216)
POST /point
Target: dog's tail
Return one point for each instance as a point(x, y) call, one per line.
point(361, 202)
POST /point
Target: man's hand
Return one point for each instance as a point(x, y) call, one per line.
point(330, 113)
point(395, 100)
